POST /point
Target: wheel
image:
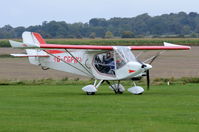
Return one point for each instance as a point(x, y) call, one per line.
point(118, 89)
point(90, 93)
point(118, 92)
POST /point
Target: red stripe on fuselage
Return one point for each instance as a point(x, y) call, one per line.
point(54, 51)
point(130, 71)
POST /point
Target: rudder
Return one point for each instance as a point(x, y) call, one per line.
point(33, 38)
point(36, 39)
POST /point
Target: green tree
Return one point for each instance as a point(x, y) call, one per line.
point(108, 35)
point(92, 35)
point(141, 25)
point(186, 29)
point(7, 32)
point(98, 22)
point(127, 34)
point(18, 31)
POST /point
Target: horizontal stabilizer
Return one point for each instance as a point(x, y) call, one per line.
point(15, 44)
point(25, 55)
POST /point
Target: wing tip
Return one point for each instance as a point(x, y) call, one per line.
point(176, 45)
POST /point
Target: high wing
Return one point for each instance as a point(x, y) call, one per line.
point(165, 47)
point(39, 43)
point(95, 47)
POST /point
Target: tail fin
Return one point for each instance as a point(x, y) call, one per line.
point(31, 37)
point(31, 40)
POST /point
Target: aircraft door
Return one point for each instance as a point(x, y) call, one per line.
point(123, 56)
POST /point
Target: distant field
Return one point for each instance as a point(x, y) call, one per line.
point(136, 41)
point(52, 108)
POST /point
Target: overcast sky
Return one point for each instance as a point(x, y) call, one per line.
point(34, 12)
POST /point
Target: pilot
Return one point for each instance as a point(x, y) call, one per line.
point(109, 61)
point(109, 58)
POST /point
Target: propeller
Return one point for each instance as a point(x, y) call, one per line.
point(148, 79)
point(147, 67)
point(147, 71)
point(152, 59)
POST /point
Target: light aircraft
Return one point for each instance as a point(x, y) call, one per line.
point(102, 63)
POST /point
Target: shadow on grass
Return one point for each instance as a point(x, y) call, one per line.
point(67, 94)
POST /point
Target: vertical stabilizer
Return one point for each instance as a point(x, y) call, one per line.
point(34, 39)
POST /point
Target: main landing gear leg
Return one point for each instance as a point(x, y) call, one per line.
point(117, 88)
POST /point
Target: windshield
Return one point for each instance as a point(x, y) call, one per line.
point(125, 53)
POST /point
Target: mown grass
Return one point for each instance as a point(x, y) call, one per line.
point(121, 42)
point(58, 108)
point(68, 81)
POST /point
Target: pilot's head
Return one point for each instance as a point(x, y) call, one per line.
point(109, 54)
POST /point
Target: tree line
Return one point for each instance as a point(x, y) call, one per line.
point(173, 24)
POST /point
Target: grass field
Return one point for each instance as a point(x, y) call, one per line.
point(65, 108)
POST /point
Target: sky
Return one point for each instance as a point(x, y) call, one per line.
point(34, 12)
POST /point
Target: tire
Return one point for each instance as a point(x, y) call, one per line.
point(118, 92)
point(90, 93)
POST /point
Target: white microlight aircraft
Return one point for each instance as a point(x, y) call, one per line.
point(102, 63)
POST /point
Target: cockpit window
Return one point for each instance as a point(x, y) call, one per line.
point(125, 53)
point(109, 61)
point(119, 60)
point(105, 63)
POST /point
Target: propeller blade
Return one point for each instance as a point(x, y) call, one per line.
point(153, 59)
point(148, 79)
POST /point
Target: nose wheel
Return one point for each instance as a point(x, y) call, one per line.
point(118, 92)
point(90, 93)
point(116, 87)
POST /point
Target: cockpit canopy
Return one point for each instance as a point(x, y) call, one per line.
point(108, 62)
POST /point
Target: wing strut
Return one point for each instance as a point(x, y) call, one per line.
point(79, 62)
point(68, 64)
point(151, 59)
